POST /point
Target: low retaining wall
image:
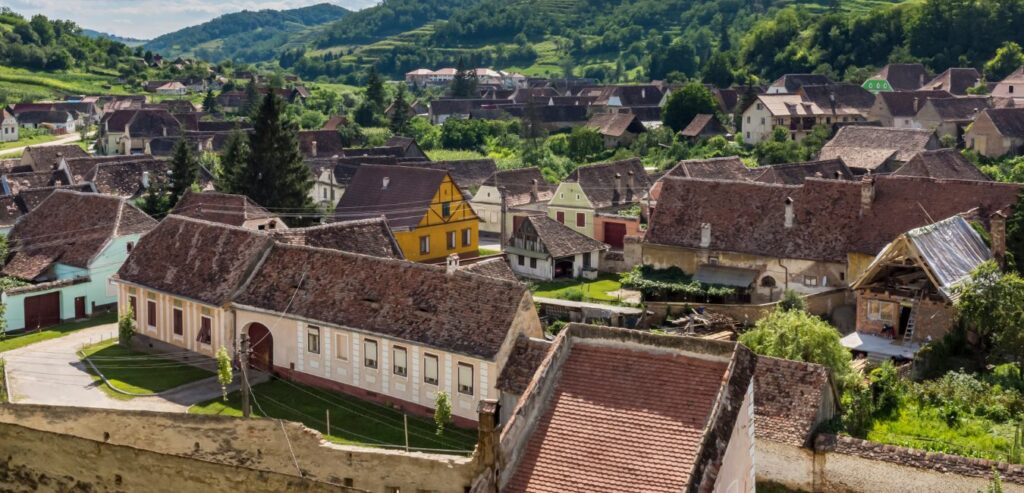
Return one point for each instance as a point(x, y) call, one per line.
point(820, 304)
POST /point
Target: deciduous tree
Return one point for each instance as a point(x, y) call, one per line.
point(689, 101)
point(800, 336)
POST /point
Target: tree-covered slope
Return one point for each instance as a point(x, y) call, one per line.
point(247, 36)
point(43, 44)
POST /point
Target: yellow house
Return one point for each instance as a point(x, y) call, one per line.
point(428, 214)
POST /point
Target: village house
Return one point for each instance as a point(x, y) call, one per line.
point(321, 143)
point(951, 116)
point(505, 190)
point(791, 83)
point(166, 87)
point(410, 149)
point(226, 208)
point(127, 132)
point(624, 96)
point(542, 248)
point(468, 174)
point(702, 127)
point(946, 164)
point(8, 126)
point(997, 132)
point(57, 122)
point(872, 150)
point(899, 109)
point(955, 80)
point(428, 213)
point(790, 111)
point(15, 183)
point(842, 103)
point(602, 200)
point(898, 77)
point(390, 330)
point(668, 414)
point(810, 238)
point(443, 109)
point(617, 129)
point(1011, 87)
point(47, 158)
point(908, 293)
point(66, 249)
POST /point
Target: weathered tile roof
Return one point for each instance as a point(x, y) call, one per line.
point(607, 184)
point(1008, 121)
point(70, 228)
point(615, 124)
point(703, 124)
point(334, 122)
point(519, 183)
point(903, 76)
point(790, 105)
point(467, 173)
point(840, 99)
point(870, 147)
point(47, 157)
point(152, 123)
point(404, 199)
point(719, 168)
point(82, 169)
point(459, 312)
point(224, 208)
point(383, 151)
point(943, 163)
point(328, 143)
point(195, 259)
point(366, 236)
point(16, 182)
point(788, 396)
point(558, 239)
point(962, 109)
point(956, 80)
point(496, 267)
point(125, 178)
point(829, 221)
point(626, 418)
point(793, 82)
point(30, 198)
point(908, 103)
point(39, 117)
point(522, 364)
point(797, 173)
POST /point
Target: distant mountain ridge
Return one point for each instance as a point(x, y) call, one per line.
point(246, 36)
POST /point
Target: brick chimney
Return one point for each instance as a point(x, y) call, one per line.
point(789, 212)
point(867, 193)
point(312, 148)
point(619, 189)
point(452, 264)
point(534, 190)
point(997, 231)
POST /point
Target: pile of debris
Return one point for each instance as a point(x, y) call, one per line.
point(705, 324)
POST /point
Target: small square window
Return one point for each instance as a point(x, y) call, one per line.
point(810, 281)
point(446, 209)
point(465, 379)
point(430, 369)
point(399, 367)
point(313, 339)
point(581, 219)
point(370, 353)
point(533, 263)
point(560, 217)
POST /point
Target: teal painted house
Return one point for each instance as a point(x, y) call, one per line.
point(66, 249)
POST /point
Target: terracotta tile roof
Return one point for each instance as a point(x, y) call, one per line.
point(1008, 121)
point(195, 259)
point(496, 267)
point(70, 228)
point(30, 198)
point(334, 122)
point(797, 173)
point(602, 186)
point(47, 157)
point(367, 236)
point(962, 109)
point(518, 185)
point(82, 169)
point(404, 200)
point(328, 143)
point(703, 124)
point(152, 123)
point(908, 103)
point(558, 239)
point(788, 396)
point(522, 364)
point(943, 163)
point(793, 82)
point(790, 105)
point(615, 124)
point(828, 222)
point(10, 211)
point(16, 182)
point(468, 174)
point(523, 95)
point(224, 208)
point(840, 99)
point(903, 76)
point(125, 178)
point(621, 420)
point(719, 168)
point(956, 80)
point(868, 148)
point(459, 312)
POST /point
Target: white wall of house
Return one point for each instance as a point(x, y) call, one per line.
point(9, 130)
point(757, 124)
point(543, 268)
point(487, 204)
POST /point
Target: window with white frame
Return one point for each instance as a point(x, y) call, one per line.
point(465, 379)
point(810, 281)
point(313, 339)
point(370, 353)
point(400, 367)
point(430, 369)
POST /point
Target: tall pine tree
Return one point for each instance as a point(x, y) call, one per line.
point(184, 169)
point(210, 102)
point(400, 112)
point(234, 161)
point(252, 97)
point(275, 175)
point(464, 84)
point(375, 88)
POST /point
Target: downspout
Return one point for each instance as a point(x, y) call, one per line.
point(785, 269)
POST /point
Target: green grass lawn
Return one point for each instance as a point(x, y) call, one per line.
point(353, 421)
point(28, 141)
point(972, 436)
point(570, 289)
point(452, 155)
point(483, 252)
point(21, 340)
point(139, 373)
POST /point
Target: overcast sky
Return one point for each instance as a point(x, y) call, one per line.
point(146, 19)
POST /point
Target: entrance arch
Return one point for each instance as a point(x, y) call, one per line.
point(261, 350)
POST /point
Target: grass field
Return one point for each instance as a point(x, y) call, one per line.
point(452, 155)
point(21, 340)
point(139, 373)
point(28, 141)
point(971, 436)
point(577, 290)
point(353, 421)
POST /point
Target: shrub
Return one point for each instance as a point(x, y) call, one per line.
point(126, 328)
point(442, 411)
point(791, 300)
point(799, 336)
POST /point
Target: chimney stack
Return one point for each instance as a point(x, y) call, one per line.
point(453, 263)
point(997, 227)
point(867, 193)
point(789, 212)
point(619, 188)
point(384, 183)
point(312, 148)
point(629, 183)
point(705, 235)
point(145, 179)
point(534, 190)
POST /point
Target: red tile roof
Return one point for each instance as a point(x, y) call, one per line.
point(621, 420)
point(788, 399)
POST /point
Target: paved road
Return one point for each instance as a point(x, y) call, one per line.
point(67, 139)
point(50, 373)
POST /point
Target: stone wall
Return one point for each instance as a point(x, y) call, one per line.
point(932, 318)
point(820, 304)
point(253, 444)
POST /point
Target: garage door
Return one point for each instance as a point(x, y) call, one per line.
point(42, 310)
point(613, 234)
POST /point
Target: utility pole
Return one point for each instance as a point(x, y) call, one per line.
point(243, 357)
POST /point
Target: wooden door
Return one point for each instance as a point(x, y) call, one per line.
point(614, 234)
point(80, 308)
point(42, 310)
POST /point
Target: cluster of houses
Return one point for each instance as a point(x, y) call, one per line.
point(423, 77)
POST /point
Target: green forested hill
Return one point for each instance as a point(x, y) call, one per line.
point(245, 36)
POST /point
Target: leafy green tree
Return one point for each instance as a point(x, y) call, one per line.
point(399, 115)
point(311, 119)
point(442, 411)
point(689, 101)
point(184, 169)
point(126, 328)
point(464, 84)
point(800, 336)
point(275, 175)
point(791, 300)
point(252, 98)
point(224, 372)
point(1015, 236)
point(234, 161)
point(992, 305)
point(210, 102)
point(351, 134)
point(1008, 57)
point(718, 70)
point(778, 149)
point(155, 202)
point(584, 143)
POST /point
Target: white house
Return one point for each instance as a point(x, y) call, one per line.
point(8, 126)
point(543, 248)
